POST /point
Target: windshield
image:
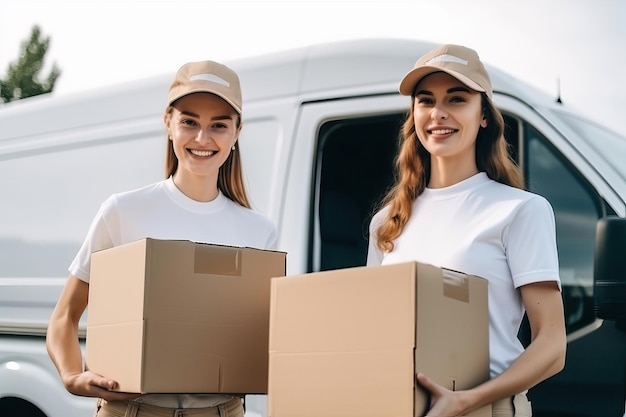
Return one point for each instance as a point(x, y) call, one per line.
point(607, 143)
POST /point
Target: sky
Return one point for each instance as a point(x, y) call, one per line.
point(578, 46)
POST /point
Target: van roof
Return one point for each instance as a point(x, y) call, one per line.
point(348, 68)
point(330, 70)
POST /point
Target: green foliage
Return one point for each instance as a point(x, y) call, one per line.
point(22, 79)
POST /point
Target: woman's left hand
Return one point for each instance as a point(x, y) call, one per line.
point(443, 402)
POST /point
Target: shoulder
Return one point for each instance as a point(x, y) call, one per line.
point(378, 218)
point(525, 209)
point(136, 195)
point(520, 197)
point(141, 192)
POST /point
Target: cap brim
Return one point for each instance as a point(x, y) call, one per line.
point(412, 78)
point(204, 90)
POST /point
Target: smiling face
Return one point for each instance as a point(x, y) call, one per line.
point(447, 117)
point(203, 128)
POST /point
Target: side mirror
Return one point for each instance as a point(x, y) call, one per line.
point(609, 277)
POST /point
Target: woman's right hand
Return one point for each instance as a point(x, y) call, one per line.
point(90, 384)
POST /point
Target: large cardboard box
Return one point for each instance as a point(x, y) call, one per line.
point(347, 343)
point(178, 316)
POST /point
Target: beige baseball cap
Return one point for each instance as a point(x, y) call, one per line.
point(207, 77)
point(459, 61)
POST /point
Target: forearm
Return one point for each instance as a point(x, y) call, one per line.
point(544, 357)
point(64, 348)
point(62, 337)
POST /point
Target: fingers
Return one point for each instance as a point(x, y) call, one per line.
point(102, 382)
point(89, 384)
point(425, 381)
point(104, 388)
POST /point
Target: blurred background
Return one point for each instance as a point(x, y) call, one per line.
point(577, 47)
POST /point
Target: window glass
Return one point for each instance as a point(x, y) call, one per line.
point(355, 169)
point(577, 209)
point(607, 143)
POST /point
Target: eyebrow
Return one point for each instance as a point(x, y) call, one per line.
point(224, 117)
point(450, 90)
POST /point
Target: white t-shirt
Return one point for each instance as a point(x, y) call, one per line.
point(162, 211)
point(483, 228)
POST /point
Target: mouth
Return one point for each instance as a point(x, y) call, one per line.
point(201, 153)
point(441, 131)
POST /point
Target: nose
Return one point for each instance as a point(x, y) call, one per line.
point(438, 113)
point(203, 136)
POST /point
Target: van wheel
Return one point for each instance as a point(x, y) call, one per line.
point(11, 406)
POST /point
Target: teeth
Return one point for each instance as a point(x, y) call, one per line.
point(201, 153)
point(442, 131)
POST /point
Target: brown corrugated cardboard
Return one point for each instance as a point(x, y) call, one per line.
point(178, 316)
point(347, 343)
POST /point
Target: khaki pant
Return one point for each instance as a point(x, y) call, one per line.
point(233, 408)
point(517, 406)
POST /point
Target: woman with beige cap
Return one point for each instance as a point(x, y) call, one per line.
point(201, 199)
point(459, 203)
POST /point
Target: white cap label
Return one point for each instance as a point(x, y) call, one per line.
point(447, 58)
point(209, 77)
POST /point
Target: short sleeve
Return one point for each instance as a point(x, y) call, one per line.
point(530, 243)
point(98, 237)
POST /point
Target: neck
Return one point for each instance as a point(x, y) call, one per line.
point(444, 173)
point(197, 188)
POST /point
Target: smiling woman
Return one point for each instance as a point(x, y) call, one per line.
point(458, 186)
point(202, 199)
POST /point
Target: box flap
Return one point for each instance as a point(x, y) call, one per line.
point(351, 308)
point(116, 284)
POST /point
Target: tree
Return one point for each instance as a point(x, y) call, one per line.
point(22, 78)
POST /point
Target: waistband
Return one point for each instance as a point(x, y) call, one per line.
point(137, 409)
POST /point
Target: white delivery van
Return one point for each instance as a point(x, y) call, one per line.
point(320, 132)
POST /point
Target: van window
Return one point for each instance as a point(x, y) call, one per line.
point(355, 169)
point(607, 143)
point(577, 208)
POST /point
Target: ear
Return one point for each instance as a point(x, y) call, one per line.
point(238, 133)
point(483, 122)
point(166, 122)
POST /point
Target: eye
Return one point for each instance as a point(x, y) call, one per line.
point(220, 125)
point(424, 100)
point(457, 99)
point(188, 122)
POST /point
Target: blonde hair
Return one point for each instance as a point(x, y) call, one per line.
point(230, 176)
point(412, 169)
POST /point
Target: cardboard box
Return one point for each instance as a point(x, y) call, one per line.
point(347, 343)
point(178, 316)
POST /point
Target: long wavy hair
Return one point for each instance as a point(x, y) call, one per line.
point(412, 169)
point(230, 177)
